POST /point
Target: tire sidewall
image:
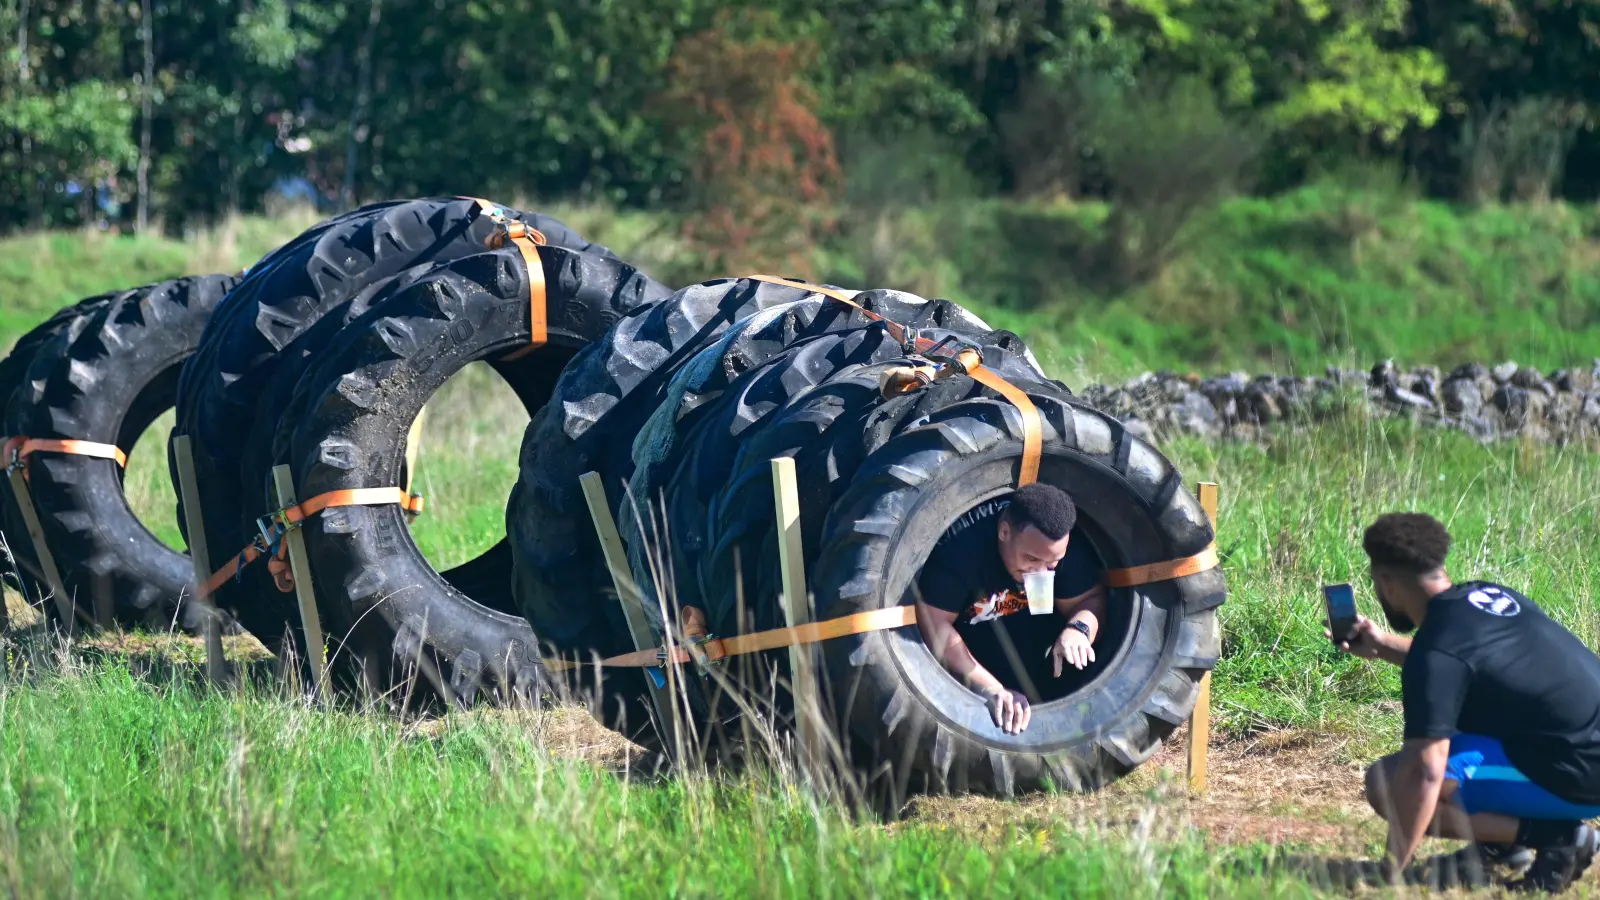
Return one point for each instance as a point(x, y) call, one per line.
point(890, 662)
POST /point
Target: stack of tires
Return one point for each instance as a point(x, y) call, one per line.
point(323, 354)
point(321, 358)
point(681, 409)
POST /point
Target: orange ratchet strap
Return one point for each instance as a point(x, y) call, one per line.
point(715, 649)
point(1163, 571)
point(273, 527)
point(17, 449)
point(1032, 428)
point(528, 241)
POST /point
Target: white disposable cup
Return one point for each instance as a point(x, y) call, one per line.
point(1040, 588)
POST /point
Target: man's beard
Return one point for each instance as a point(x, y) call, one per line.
point(1398, 621)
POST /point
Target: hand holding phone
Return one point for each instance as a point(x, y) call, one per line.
point(1341, 603)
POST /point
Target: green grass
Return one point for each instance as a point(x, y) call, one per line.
point(111, 787)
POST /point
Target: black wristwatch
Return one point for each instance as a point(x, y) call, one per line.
point(1080, 626)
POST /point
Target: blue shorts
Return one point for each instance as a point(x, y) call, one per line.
point(1486, 781)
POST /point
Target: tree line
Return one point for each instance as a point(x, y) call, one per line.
point(135, 114)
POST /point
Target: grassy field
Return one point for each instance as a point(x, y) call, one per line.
point(110, 787)
point(117, 785)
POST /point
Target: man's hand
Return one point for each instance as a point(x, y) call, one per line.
point(1367, 641)
point(1010, 711)
point(1372, 642)
point(1071, 646)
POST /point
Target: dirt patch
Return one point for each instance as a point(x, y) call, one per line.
point(19, 613)
point(1288, 788)
point(565, 732)
point(176, 648)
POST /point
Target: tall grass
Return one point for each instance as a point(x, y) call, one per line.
point(113, 787)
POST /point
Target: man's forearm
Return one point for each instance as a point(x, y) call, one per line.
point(952, 652)
point(960, 662)
point(1393, 649)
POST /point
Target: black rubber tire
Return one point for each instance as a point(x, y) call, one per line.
point(384, 608)
point(688, 448)
point(601, 403)
point(912, 727)
point(104, 377)
point(12, 369)
point(270, 327)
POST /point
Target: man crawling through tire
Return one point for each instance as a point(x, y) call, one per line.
point(1502, 714)
point(974, 615)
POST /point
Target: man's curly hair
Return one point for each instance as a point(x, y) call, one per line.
point(1409, 542)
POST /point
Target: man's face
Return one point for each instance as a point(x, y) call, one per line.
point(1398, 621)
point(1027, 549)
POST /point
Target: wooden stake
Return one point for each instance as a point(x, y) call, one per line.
point(300, 565)
point(796, 602)
point(1200, 719)
point(644, 638)
point(200, 557)
point(41, 550)
point(414, 447)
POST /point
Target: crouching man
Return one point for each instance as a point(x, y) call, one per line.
point(973, 612)
point(1502, 713)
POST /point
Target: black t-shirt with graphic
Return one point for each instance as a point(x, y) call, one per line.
point(1488, 661)
point(965, 575)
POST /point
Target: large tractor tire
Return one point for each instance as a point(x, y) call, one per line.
point(908, 724)
point(269, 330)
point(105, 376)
point(387, 614)
point(601, 404)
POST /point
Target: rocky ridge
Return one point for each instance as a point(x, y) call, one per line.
point(1488, 402)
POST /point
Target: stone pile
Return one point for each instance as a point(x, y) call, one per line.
point(1487, 402)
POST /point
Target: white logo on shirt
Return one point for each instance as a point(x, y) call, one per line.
point(1494, 601)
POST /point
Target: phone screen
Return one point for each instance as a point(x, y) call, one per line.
point(1341, 600)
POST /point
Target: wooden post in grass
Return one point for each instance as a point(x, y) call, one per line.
point(796, 605)
point(1200, 719)
point(632, 599)
point(300, 565)
point(41, 550)
point(414, 447)
point(199, 556)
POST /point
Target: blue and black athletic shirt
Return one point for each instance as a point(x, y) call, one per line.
point(1488, 661)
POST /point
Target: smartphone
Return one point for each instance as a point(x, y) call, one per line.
point(1341, 601)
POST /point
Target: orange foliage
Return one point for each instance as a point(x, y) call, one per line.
point(765, 165)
